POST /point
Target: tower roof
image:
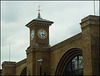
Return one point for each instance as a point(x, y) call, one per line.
point(39, 18)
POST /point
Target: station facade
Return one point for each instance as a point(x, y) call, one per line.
point(78, 55)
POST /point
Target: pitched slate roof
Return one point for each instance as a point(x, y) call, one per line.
point(39, 18)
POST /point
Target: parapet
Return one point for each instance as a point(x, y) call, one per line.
point(8, 63)
point(90, 20)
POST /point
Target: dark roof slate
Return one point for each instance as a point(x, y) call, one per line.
point(42, 20)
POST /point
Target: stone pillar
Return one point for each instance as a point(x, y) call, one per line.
point(90, 38)
point(30, 61)
point(34, 54)
point(8, 68)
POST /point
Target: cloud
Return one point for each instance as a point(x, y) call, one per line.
point(10, 11)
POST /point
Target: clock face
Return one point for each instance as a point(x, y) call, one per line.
point(42, 34)
point(32, 34)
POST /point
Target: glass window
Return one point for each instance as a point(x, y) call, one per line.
point(75, 66)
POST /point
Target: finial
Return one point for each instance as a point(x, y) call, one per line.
point(39, 12)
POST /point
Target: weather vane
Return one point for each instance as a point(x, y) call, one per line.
point(39, 12)
point(39, 9)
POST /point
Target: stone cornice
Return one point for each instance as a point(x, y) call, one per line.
point(90, 20)
point(37, 48)
point(32, 23)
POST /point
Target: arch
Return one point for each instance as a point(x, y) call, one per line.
point(23, 73)
point(65, 60)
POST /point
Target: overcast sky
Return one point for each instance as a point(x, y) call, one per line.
point(16, 14)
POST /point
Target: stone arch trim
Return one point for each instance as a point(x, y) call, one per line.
point(23, 72)
point(65, 59)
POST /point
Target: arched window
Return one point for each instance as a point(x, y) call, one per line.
point(23, 73)
point(75, 66)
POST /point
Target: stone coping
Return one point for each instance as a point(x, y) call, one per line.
point(67, 41)
point(90, 17)
point(21, 62)
point(8, 63)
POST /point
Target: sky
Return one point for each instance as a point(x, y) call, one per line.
point(66, 16)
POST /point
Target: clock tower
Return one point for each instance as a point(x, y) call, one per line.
point(39, 46)
point(39, 31)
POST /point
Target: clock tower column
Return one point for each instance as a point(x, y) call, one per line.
point(39, 46)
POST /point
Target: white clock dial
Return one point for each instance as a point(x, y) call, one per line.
point(32, 34)
point(42, 34)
